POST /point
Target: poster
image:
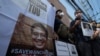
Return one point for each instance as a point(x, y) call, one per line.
point(41, 10)
point(61, 48)
point(72, 50)
point(65, 49)
point(6, 30)
point(51, 16)
point(87, 29)
point(10, 11)
point(30, 38)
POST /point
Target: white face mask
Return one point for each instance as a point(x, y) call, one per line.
point(61, 14)
point(78, 15)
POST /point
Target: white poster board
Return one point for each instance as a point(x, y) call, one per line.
point(72, 50)
point(87, 29)
point(65, 49)
point(9, 12)
point(61, 48)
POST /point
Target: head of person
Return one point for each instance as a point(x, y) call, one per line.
point(59, 13)
point(94, 25)
point(78, 14)
point(39, 35)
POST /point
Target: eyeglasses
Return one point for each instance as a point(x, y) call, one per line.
point(39, 34)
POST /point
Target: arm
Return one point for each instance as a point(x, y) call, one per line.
point(56, 37)
point(96, 34)
point(73, 25)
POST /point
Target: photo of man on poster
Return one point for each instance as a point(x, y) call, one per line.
point(30, 38)
point(87, 29)
point(39, 35)
point(39, 40)
point(87, 26)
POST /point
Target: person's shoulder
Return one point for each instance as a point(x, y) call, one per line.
point(58, 20)
point(84, 20)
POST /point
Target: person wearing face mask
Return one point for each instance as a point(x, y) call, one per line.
point(58, 24)
point(82, 43)
point(95, 42)
point(58, 17)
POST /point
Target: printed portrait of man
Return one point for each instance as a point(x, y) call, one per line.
point(86, 26)
point(30, 38)
point(39, 35)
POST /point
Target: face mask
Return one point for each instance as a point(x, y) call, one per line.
point(61, 14)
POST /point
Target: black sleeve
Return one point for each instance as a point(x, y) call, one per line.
point(72, 23)
point(57, 25)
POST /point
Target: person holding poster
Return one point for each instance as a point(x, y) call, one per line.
point(95, 40)
point(82, 42)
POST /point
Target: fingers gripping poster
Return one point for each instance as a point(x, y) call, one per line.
point(25, 30)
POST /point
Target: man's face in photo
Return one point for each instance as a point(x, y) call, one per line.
point(39, 37)
point(87, 26)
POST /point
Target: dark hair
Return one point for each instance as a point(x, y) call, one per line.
point(59, 10)
point(77, 11)
point(94, 21)
point(41, 26)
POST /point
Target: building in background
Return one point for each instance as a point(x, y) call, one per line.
point(90, 9)
point(66, 19)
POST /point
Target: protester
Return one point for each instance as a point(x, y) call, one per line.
point(60, 28)
point(82, 42)
point(95, 42)
point(58, 22)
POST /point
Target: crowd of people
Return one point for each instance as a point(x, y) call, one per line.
point(85, 45)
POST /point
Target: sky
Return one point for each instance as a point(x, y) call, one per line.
point(93, 13)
